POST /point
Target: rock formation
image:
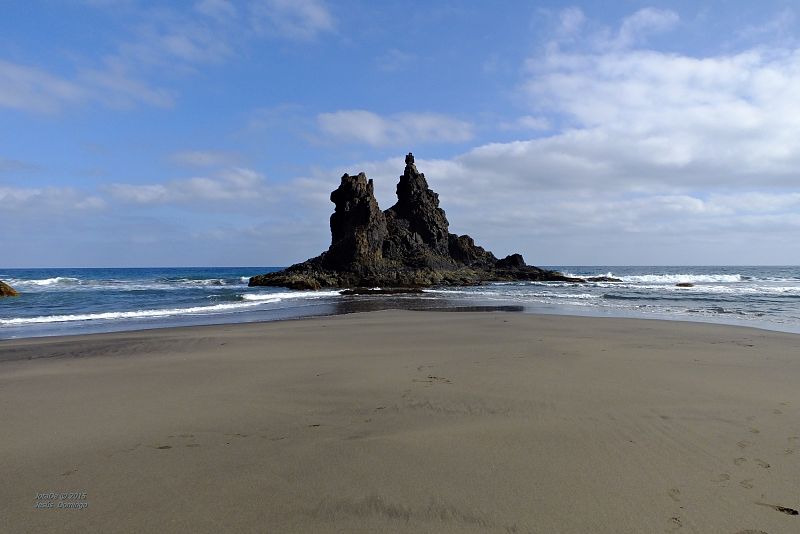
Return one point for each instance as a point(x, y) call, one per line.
point(408, 245)
point(6, 290)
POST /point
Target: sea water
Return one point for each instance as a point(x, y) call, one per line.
point(73, 301)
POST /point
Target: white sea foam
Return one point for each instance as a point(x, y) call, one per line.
point(276, 297)
point(202, 281)
point(63, 280)
point(248, 301)
point(684, 278)
point(210, 281)
point(137, 314)
point(502, 292)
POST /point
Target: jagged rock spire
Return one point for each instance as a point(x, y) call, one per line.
point(358, 226)
point(406, 245)
point(418, 206)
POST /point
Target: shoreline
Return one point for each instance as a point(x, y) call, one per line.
point(63, 302)
point(404, 421)
point(344, 309)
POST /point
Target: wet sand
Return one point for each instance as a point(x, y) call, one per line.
point(401, 421)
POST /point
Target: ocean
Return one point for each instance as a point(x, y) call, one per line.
point(77, 301)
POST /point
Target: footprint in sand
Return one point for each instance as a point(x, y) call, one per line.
point(755, 431)
point(743, 444)
point(747, 483)
point(777, 411)
point(675, 523)
point(164, 447)
point(68, 473)
point(723, 477)
point(750, 531)
point(675, 494)
point(761, 463)
point(739, 461)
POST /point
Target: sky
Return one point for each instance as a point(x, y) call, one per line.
point(211, 132)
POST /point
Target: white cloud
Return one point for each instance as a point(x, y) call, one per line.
point(361, 126)
point(114, 87)
point(780, 26)
point(232, 185)
point(571, 20)
point(32, 89)
point(51, 200)
point(527, 122)
point(642, 24)
point(646, 116)
point(204, 158)
point(217, 9)
point(164, 38)
point(14, 165)
point(141, 194)
point(294, 19)
point(171, 40)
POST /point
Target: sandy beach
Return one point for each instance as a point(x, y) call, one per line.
point(399, 421)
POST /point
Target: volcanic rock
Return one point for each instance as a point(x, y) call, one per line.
point(381, 291)
point(513, 261)
point(408, 245)
point(358, 227)
point(603, 279)
point(684, 284)
point(7, 291)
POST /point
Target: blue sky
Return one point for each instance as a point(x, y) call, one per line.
point(211, 132)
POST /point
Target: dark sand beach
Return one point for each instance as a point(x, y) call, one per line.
point(401, 421)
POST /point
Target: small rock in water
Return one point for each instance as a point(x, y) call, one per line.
point(7, 291)
point(684, 284)
point(603, 279)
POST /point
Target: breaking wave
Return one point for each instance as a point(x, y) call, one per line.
point(137, 314)
point(58, 280)
point(276, 297)
point(686, 278)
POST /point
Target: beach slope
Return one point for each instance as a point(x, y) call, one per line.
point(401, 421)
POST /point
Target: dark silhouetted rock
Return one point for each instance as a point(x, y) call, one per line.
point(358, 227)
point(513, 261)
point(603, 279)
point(417, 216)
point(684, 284)
point(7, 291)
point(406, 246)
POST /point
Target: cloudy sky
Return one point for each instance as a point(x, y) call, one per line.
point(211, 132)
